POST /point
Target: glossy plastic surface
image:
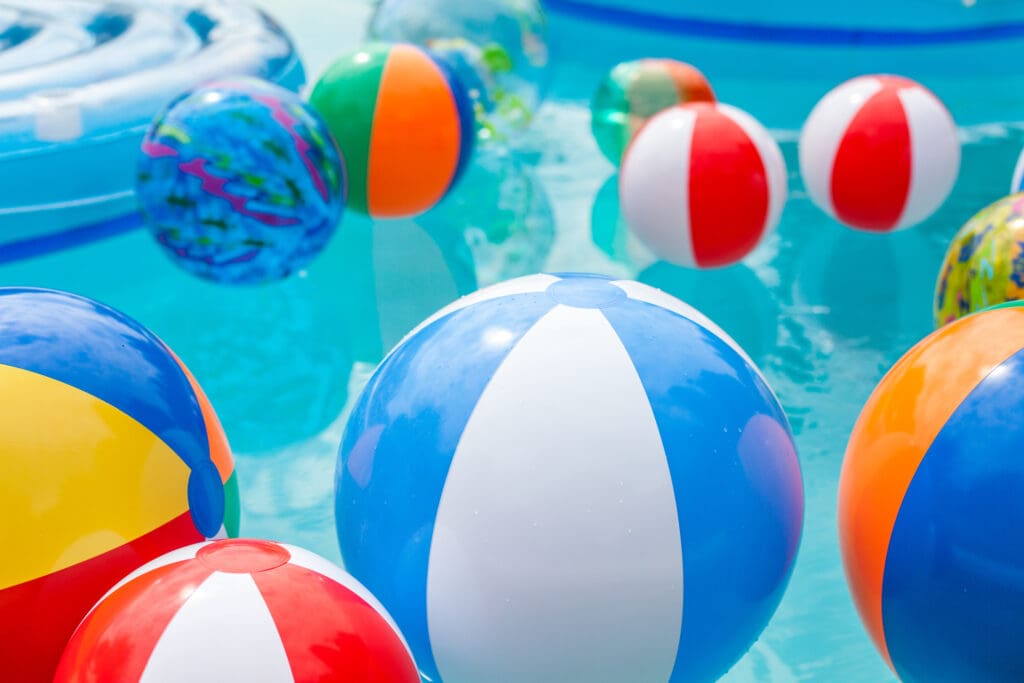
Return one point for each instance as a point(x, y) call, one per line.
point(497, 48)
point(928, 499)
point(110, 458)
point(241, 182)
point(238, 610)
point(404, 124)
point(880, 153)
point(635, 91)
point(702, 185)
point(984, 263)
point(570, 478)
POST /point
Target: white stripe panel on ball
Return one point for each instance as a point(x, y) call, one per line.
point(315, 563)
point(556, 553)
point(652, 295)
point(935, 155)
point(179, 555)
point(824, 130)
point(519, 285)
point(771, 157)
point(1018, 174)
point(223, 632)
point(654, 183)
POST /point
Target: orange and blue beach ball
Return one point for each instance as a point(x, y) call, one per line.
point(930, 504)
point(404, 124)
point(110, 456)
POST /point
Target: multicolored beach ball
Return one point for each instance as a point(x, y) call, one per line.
point(635, 91)
point(984, 264)
point(110, 455)
point(238, 610)
point(570, 478)
point(879, 153)
point(702, 185)
point(404, 123)
point(930, 505)
point(241, 182)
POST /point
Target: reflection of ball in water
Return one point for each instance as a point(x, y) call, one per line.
point(570, 411)
point(497, 47)
point(505, 215)
point(241, 182)
point(635, 91)
point(404, 125)
point(984, 265)
point(879, 153)
point(702, 184)
point(930, 509)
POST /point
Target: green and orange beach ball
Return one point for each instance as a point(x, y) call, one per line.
point(404, 124)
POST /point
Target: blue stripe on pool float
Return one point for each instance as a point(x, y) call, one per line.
point(739, 533)
point(416, 440)
point(798, 35)
point(73, 237)
point(103, 352)
point(956, 553)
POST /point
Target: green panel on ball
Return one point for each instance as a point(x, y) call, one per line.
point(346, 97)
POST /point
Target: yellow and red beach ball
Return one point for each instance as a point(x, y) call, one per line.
point(404, 124)
point(110, 456)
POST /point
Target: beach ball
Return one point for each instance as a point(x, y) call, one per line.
point(241, 182)
point(635, 91)
point(497, 48)
point(404, 123)
point(570, 478)
point(879, 153)
point(930, 509)
point(702, 185)
point(238, 610)
point(110, 455)
point(984, 264)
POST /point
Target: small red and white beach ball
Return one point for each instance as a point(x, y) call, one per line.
point(238, 610)
point(702, 184)
point(879, 153)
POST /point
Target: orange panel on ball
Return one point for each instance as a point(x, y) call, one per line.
point(902, 417)
point(416, 139)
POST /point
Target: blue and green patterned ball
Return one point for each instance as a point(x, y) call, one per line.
point(241, 182)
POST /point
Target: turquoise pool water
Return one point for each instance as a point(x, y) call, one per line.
point(822, 309)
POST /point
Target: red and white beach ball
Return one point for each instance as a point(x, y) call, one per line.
point(238, 610)
point(702, 184)
point(879, 153)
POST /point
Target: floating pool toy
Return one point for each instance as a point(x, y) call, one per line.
point(241, 182)
point(81, 82)
point(404, 124)
point(930, 509)
point(702, 185)
point(984, 264)
point(498, 48)
point(111, 456)
point(238, 610)
point(594, 463)
point(879, 153)
point(635, 91)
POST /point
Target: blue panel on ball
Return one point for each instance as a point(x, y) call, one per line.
point(953, 590)
point(586, 292)
point(467, 118)
point(402, 436)
point(735, 476)
point(103, 352)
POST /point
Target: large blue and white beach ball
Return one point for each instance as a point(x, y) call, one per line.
point(570, 478)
